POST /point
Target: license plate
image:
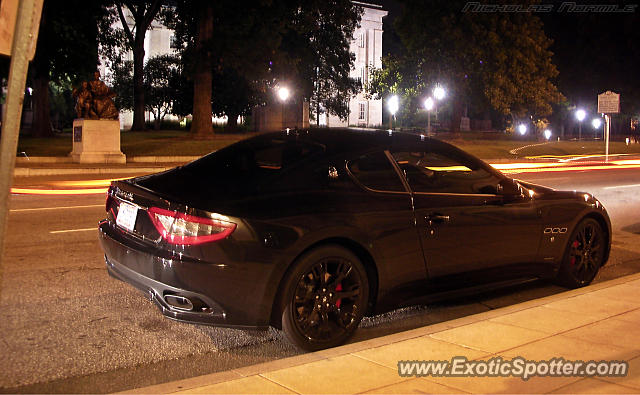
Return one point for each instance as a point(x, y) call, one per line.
point(127, 216)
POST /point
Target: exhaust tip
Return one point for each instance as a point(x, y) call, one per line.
point(179, 302)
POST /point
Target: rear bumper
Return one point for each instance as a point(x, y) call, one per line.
point(184, 290)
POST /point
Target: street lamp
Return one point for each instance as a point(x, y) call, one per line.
point(393, 105)
point(438, 93)
point(283, 95)
point(428, 105)
point(596, 123)
point(522, 128)
point(580, 115)
point(547, 134)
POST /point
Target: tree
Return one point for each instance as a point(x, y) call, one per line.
point(317, 38)
point(233, 95)
point(256, 44)
point(162, 81)
point(228, 48)
point(499, 60)
point(143, 13)
point(67, 50)
point(164, 86)
point(122, 81)
point(399, 75)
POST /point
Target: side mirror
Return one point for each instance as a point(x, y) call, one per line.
point(510, 190)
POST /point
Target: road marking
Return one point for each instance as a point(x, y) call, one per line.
point(17, 210)
point(623, 186)
point(73, 230)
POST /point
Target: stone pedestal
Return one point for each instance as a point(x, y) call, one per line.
point(96, 141)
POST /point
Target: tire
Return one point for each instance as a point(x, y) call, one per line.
point(584, 254)
point(324, 297)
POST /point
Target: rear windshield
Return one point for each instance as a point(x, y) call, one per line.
point(252, 163)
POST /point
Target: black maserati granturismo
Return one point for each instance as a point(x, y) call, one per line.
point(309, 230)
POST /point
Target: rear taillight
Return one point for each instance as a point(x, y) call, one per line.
point(184, 229)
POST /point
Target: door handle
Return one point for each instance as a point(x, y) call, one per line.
point(436, 218)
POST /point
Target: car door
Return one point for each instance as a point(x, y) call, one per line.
point(463, 221)
point(383, 208)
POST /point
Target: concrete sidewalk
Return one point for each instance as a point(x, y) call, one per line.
point(599, 322)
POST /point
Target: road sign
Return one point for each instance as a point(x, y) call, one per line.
point(609, 103)
point(8, 14)
point(8, 17)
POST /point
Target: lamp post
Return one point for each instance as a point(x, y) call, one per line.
point(580, 115)
point(428, 105)
point(283, 95)
point(393, 106)
point(596, 123)
point(438, 93)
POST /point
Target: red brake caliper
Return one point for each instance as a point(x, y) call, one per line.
point(573, 258)
point(338, 289)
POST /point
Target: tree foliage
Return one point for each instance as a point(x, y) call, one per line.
point(317, 39)
point(163, 85)
point(496, 60)
point(255, 45)
point(66, 52)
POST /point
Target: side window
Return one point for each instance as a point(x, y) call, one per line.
point(376, 172)
point(438, 173)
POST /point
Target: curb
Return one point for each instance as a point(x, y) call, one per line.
point(215, 378)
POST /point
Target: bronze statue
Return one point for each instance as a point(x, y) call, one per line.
point(94, 100)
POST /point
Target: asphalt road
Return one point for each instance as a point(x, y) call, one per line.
point(66, 326)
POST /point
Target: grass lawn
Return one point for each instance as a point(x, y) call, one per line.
point(180, 143)
point(153, 143)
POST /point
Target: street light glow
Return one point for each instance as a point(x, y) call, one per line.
point(283, 93)
point(428, 104)
point(580, 115)
point(438, 92)
point(522, 128)
point(596, 123)
point(393, 104)
point(547, 134)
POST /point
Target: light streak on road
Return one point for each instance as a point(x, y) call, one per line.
point(86, 183)
point(560, 165)
point(20, 210)
point(623, 186)
point(568, 158)
point(28, 191)
point(571, 168)
point(74, 230)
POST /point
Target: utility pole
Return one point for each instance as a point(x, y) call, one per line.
point(25, 36)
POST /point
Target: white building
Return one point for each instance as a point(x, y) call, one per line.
point(367, 46)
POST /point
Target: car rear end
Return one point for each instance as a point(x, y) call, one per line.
point(204, 241)
point(190, 262)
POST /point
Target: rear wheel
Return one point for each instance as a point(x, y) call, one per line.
point(584, 255)
point(324, 298)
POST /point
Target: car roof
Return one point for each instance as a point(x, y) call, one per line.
point(352, 140)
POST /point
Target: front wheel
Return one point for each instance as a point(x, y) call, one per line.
point(584, 255)
point(324, 298)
